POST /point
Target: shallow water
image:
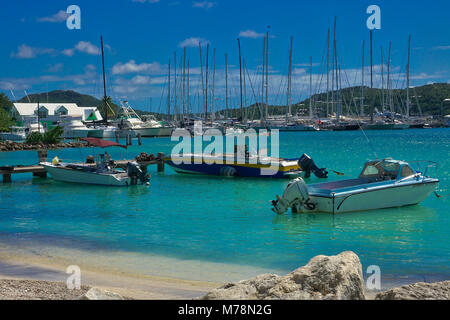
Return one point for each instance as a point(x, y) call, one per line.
point(228, 221)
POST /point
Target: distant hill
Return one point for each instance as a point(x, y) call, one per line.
point(68, 96)
point(425, 100)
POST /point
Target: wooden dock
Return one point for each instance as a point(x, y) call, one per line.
point(39, 171)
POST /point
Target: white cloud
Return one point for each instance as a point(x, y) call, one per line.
point(250, 34)
point(203, 4)
point(61, 16)
point(87, 47)
point(141, 80)
point(193, 42)
point(132, 67)
point(68, 52)
point(83, 46)
point(26, 52)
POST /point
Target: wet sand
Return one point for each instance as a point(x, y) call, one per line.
point(48, 281)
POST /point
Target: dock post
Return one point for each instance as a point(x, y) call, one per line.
point(139, 139)
point(117, 136)
point(129, 141)
point(42, 155)
point(161, 162)
point(40, 174)
point(7, 178)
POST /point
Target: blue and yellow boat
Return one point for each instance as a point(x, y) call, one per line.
point(246, 166)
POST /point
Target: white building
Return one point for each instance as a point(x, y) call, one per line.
point(52, 112)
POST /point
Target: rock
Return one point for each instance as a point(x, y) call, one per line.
point(100, 294)
point(418, 291)
point(323, 278)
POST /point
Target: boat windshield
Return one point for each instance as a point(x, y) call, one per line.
point(384, 170)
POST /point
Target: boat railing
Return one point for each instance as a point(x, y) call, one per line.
point(427, 168)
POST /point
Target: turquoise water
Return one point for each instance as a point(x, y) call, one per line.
point(229, 220)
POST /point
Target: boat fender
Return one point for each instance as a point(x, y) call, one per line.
point(228, 171)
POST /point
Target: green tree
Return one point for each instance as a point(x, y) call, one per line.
point(5, 120)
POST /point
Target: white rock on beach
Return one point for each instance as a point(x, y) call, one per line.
point(323, 278)
point(100, 294)
point(418, 291)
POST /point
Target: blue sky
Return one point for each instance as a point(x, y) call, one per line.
point(38, 52)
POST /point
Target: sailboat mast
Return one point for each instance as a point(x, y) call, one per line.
point(333, 68)
point(245, 92)
point(184, 84)
point(362, 82)
point(206, 87)
point(226, 84)
point(104, 82)
point(371, 73)
point(267, 72)
point(240, 72)
point(310, 89)
point(213, 108)
point(389, 80)
point(175, 87)
point(382, 80)
point(201, 75)
point(263, 74)
point(188, 107)
point(328, 74)
point(289, 92)
point(168, 94)
point(407, 77)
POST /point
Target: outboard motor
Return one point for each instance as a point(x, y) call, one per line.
point(295, 195)
point(135, 172)
point(307, 164)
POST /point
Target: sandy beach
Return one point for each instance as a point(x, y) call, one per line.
point(25, 278)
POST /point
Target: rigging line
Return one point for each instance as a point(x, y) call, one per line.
point(364, 133)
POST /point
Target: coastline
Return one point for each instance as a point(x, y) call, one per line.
point(133, 286)
point(27, 266)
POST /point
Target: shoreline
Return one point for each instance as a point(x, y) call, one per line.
point(33, 266)
point(126, 284)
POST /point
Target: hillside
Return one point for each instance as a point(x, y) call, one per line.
point(425, 99)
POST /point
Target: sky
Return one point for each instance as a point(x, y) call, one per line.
point(38, 53)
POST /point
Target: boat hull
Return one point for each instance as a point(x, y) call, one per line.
point(389, 197)
point(74, 176)
point(4, 136)
point(147, 132)
point(165, 131)
point(239, 170)
point(73, 134)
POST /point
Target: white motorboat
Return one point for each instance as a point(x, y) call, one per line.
point(149, 127)
point(75, 128)
point(382, 184)
point(102, 172)
point(16, 134)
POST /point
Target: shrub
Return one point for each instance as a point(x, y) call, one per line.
point(52, 136)
point(34, 138)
